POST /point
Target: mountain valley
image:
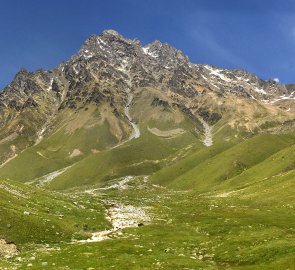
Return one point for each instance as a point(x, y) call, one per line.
point(132, 157)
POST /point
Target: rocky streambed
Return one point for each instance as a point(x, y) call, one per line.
point(121, 216)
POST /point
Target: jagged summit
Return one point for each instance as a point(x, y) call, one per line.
point(110, 32)
point(110, 55)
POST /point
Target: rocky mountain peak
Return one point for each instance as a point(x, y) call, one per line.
point(109, 46)
point(165, 53)
point(111, 73)
point(110, 32)
point(22, 71)
point(109, 62)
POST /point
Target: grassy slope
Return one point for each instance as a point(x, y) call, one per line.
point(96, 130)
point(244, 220)
point(53, 153)
point(278, 164)
point(52, 217)
point(247, 223)
point(142, 156)
point(231, 162)
point(178, 168)
point(189, 231)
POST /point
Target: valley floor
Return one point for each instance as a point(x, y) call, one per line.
point(165, 229)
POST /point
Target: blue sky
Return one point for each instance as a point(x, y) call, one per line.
point(256, 35)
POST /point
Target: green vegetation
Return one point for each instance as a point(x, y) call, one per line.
point(32, 216)
point(189, 230)
point(231, 162)
point(228, 206)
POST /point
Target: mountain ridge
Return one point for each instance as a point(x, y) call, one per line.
point(117, 87)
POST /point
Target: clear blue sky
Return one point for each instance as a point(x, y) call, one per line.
point(257, 35)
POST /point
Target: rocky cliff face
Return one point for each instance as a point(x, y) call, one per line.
point(99, 72)
point(109, 68)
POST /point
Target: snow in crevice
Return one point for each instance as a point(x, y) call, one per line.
point(50, 85)
point(135, 129)
point(75, 69)
point(281, 98)
point(123, 68)
point(204, 77)
point(146, 51)
point(259, 90)
point(100, 41)
point(217, 73)
point(40, 135)
point(87, 54)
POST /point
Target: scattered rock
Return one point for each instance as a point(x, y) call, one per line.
point(7, 249)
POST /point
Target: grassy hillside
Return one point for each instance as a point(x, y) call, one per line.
point(189, 230)
point(142, 156)
point(77, 135)
point(30, 215)
point(212, 171)
point(87, 138)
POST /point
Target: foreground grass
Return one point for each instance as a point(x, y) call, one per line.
point(235, 210)
point(189, 231)
point(30, 216)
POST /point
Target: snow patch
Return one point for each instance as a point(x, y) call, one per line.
point(217, 73)
point(259, 90)
point(75, 70)
point(50, 86)
point(147, 52)
point(284, 97)
point(40, 135)
point(120, 185)
point(87, 56)
point(100, 41)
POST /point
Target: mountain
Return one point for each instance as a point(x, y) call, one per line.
point(122, 136)
point(114, 90)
